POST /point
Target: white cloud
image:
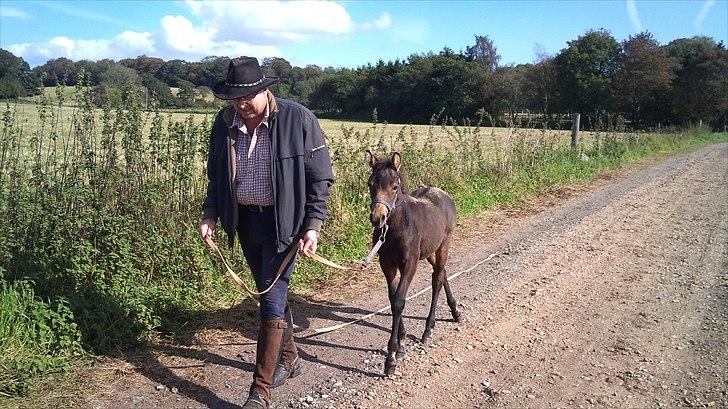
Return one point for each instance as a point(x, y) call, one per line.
point(225, 28)
point(131, 40)
point(12, 12)
point(180, 35)
point(634, 18)
point(126, 44)
point(704, 13)
point(272, 21)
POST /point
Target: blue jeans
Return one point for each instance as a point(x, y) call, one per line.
point(257, 234)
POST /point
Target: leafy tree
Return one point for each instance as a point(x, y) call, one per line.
point(11, 88)
point(158, 91)
point(172, 71)
point(113, 82)
point(509, 94)
point(429, 84)
point(701, 80)
point(302, 90)
point(144, 65)
point(187, 94)
point(94, 69)
point(312, 70)
point(16, 78)
point(483, 52)
point(118, 75)
point(205, 97)
point(210, 70)
point(584, 74)
point(539, 87)
point(643, 81)
point(338, 94)
point(57, 71)
point(276, 67)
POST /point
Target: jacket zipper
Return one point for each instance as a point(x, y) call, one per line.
point(233, 196)
point(273, 150)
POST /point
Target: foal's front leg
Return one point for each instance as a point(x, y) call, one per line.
point(407, 272)
point(390, 273)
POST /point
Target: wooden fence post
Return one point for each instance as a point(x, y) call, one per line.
point(575, 131)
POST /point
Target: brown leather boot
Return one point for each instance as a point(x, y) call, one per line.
point(290, 363)
point(270, 340)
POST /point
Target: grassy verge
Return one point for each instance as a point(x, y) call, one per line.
point(37, 337)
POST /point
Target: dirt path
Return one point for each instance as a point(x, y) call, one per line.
point(616, 296)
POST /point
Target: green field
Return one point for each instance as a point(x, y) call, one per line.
point(371, 133)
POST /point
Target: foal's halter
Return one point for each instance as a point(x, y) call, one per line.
point(393, 205)
point(385, 229)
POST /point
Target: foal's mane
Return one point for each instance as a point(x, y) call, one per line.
point(387, 163)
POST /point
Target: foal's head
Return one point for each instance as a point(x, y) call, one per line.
point(385, 187)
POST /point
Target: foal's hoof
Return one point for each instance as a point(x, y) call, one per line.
point(389, 369)
point(400, 354)
point(456, 315)
point(426, 337)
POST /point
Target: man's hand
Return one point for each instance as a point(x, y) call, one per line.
point(308, 244)
point(207, 228)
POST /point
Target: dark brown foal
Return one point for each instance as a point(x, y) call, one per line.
point(418, 226)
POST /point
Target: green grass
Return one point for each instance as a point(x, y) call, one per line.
point(53, 95)
point(36, 337)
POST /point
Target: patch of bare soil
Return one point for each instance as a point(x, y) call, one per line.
point(611, 294)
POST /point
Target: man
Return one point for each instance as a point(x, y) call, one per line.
point(269, 174)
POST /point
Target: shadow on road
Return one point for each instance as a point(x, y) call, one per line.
point(239, 323)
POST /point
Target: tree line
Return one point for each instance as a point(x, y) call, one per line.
point(637, 83)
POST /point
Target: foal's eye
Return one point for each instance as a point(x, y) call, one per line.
point(395, 187)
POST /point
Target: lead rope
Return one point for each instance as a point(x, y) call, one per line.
point(320, 331)
point(239, 281)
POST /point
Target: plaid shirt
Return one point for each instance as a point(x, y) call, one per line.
point(253, 181)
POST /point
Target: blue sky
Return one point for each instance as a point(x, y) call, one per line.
point(339, 34)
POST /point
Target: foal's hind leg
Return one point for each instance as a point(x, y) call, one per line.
point(442, 259)
point(438, 277)
point(451, 302)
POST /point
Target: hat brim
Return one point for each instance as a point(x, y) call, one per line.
point(224, 91)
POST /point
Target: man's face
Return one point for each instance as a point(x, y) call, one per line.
point(251, 106)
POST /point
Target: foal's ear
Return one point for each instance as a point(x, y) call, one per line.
point(397, 161)
point(371, 159)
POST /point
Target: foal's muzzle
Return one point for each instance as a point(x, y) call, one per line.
point(379, 214)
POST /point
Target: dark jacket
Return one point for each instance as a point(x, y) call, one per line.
point(301, 169)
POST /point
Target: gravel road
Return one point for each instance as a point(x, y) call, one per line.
point(609, 294)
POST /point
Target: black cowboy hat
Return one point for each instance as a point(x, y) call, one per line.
point(244, 77)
